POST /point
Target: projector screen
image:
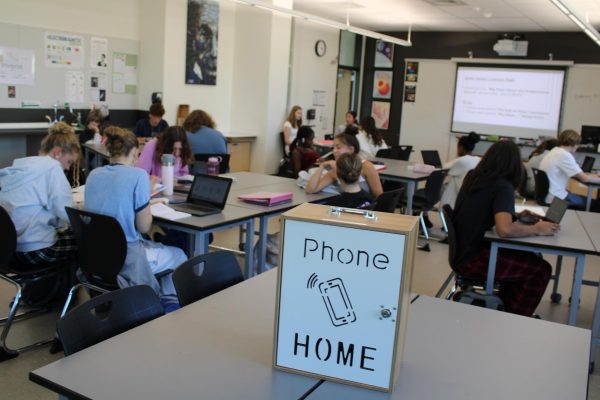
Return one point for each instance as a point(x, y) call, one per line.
point(507, 101)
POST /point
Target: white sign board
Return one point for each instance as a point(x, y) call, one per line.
point(338, 301)
point(17, 66)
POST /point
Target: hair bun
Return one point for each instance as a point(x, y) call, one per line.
point(474, 137)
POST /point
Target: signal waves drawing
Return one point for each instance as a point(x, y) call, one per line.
point(312, 281)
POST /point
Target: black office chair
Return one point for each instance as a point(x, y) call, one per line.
point(387, 201)
point(201, 160)
point(395, 153)
point(16, 276)
point(542, 186)
point(465, 288)
point(107, 315)
point(206, 274)
point(404, 152)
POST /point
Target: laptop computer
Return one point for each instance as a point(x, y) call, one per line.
point(431, 157)
point(588, 164)
point(207, 195)
point(554, 213)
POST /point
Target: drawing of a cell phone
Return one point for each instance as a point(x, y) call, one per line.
point(337, 302)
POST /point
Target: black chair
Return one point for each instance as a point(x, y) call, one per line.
point(404, 152)
point(395, 153)
point(201, 160)
point(425, 199)
point(107, 315)
point(387, 201)
point(541, 186)
point(11, 273)
point(206, 274)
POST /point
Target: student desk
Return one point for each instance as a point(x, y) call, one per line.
point(571, 241)
point(246, 180)
point(299, 197)
point(201, 227)
point(590, 190)
point(401, 171)
point(221, 348)
point(455, 351)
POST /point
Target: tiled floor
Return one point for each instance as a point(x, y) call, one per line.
point(430, 270)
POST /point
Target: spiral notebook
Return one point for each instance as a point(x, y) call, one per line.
point(266, 198)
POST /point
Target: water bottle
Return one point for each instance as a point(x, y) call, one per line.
point(212, 168)
point(97, 138)
point(168, 162)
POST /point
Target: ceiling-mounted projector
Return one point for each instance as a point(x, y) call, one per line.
point(509, 47)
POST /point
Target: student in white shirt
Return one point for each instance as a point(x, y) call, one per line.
point(350, 121)
point(291, 125)
point(369, 138)
point(459, 167)
point(535, 158)
point(560, 165)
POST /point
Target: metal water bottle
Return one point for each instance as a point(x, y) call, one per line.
point(168, 166)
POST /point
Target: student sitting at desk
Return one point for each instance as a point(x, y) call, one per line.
point(123, 192)
point(202, 135)
point(291, 125)
point(303, 153)
point(326, 174)
point(349, 169)
point(350, 121)
point(92, 126)
point(154, 124)
point(172, 141)
point(487, 199)
point(459, 167)
point(560, 165)
point(534, 161)
point(369, 138)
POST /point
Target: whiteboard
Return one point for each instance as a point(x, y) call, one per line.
point(50, 83)
point(425, 123)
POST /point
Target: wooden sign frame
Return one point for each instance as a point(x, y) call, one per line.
point(332, 348)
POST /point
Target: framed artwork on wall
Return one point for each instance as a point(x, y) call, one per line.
point(382, 84)
point(384, 54)
point(201, 44)
point(380, 111)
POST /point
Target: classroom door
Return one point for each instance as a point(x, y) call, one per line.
point(344, 94)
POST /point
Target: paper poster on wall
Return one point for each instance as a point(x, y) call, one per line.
point(319, 98)
point(63, 50)
point(98, 86)
point(380, 111)
point(202, 39)
point(124, 73)
point(410, 93)
point(382, 84)
point(74, 86)
point(412, 71)
point(384, 54)
point(98, 52)
point(17, 66)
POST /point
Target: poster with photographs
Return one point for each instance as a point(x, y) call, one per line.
point(380, 111)
point(382, 84)
point(410, 93)
point(98, 52)
point(98, 86)
point(412, 71)
point(384, 54)
point(201, 45)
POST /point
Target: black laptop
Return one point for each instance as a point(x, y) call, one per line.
point(207, 195)
point(431, 157)
point(554, 213)
point(588, 164)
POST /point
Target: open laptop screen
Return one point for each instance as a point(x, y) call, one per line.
point(209, 190)
point(431, 157)
point(556, 210)
point(588, 164)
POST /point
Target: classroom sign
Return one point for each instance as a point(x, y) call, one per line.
point(343, 294)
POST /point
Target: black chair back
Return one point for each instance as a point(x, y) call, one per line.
point(201, 160)
point(404, 152)
point(107, 315)
point(433, 186)
point(387, 201)
point(204, 275)
point(8, 243)
point(541, 186)
point(102, 246)
point(390, 153)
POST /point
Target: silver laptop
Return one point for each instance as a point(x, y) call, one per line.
point(207, 195)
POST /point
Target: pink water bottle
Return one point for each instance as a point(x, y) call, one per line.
point(212, 167)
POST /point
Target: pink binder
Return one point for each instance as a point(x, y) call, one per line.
point(266, 198)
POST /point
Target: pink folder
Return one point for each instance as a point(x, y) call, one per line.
point(266, 198)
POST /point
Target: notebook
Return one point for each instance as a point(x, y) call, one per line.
point(588, 164)
point(267, 198)
point(431, 157)
point(207, 195)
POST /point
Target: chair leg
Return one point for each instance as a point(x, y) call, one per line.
point(443, 220)
point(555, 297)
point(423, 226)
point(452, 292)
point(445, 284)
point(7, 353)
point(74, 289)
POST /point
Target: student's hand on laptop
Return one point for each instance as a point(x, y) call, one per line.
point(545, 228)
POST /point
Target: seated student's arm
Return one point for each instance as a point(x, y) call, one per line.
point(141, 202)
point(139, 129)
point(143, 219)
point(372, 177)
point(297, 161)
point(316, 183)
point(59, 194)
point(286, 134)
point(145, 161)
point(505, 227)
point(587, 177)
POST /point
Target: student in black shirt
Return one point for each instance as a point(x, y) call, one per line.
point(154, 124)
point(487, 199)
point(349, 168)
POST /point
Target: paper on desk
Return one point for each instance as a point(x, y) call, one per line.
point(186, 178)
point(163, 211)
point(534, 209)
